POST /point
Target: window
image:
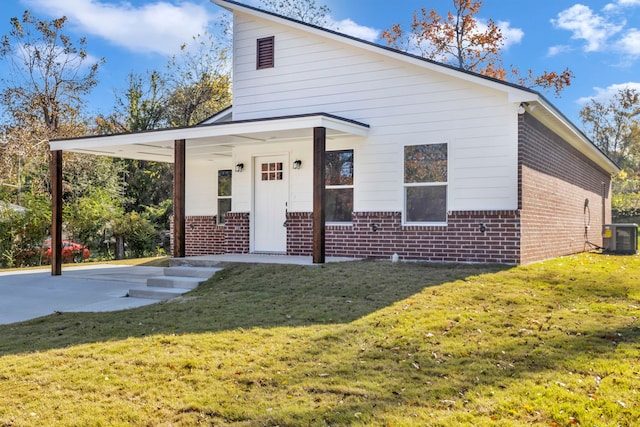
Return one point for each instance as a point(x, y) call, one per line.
point(425, 183)
point(272, 171)
point(265, 53)
point(224, 194)
point(339, 185)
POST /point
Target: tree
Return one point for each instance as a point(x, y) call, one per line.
point(198, 81)
point(48, 73)
point(146, 102)
point(303, 10)
point(459, 39)
point(42, 93)
point(613, 125)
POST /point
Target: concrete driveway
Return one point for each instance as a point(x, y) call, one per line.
point(29, 294)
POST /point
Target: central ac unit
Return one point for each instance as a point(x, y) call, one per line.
point(620, 238)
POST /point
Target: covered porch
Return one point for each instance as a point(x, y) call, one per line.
point(225, 141)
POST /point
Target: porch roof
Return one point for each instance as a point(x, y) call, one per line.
point(211, 141)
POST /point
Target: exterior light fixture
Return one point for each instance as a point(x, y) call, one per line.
point(297, 164)
point(522, 108)
point(239, 167)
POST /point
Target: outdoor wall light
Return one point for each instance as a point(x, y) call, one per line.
point(239, 167)
point(522, 108)
point(525, 106)
point(297, 164)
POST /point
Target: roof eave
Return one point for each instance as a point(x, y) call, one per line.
point(158, 144)
point(551, 117)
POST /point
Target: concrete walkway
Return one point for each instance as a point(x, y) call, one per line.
point(29, 294)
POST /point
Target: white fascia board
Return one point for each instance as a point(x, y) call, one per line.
point(214, 130)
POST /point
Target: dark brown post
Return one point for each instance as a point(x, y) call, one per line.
point(319, 146)
point(179, 243)
point(56, 212)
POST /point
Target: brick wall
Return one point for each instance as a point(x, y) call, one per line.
point(381, 234)
point(555, 179)
point(204, 236)
point(299, 233)
point(236, 233)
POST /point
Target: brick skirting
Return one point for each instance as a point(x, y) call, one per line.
point(236, 233)
point(375, 235)
point(205, 237)
point(381, 234)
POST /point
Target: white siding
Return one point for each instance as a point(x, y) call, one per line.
point(403, 104)
point(201, 198)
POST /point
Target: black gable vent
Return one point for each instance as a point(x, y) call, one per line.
point(265, 53)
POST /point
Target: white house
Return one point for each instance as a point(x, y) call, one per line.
point(338, 146)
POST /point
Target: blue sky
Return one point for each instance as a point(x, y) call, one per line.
point(598, 40)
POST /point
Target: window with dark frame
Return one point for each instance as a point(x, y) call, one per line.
point(339, 185)
point(425, 183)
point(224, 194)
point(265, 53)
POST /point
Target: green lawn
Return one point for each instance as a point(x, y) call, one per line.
point(356, 344)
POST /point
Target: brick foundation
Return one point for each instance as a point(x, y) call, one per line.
point(204, 236)
point(459, 241)
point(236, 233)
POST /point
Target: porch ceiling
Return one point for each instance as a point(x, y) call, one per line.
point(211, 141)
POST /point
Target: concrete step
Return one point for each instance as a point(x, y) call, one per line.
point(203, 261)
point(175, 282)
point(190, 271)
point(157, 293)
point(178, 279)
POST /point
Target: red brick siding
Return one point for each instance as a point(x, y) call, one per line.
point(299, 233)
point(554, 181)
point(236, 234)
point(459, 241)
point(204, 236)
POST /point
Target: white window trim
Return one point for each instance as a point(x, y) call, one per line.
point(426, 184)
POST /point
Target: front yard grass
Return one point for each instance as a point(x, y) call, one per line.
point(363, 343)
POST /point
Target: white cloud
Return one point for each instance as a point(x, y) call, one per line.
point(512, 36)
point(347, 26)
point(630, 42)
point(605, 94)
point(586, 25)
point(159, 27)
point(619, 4)
point(558, 50)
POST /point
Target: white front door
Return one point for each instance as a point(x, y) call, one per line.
point(271, 195)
